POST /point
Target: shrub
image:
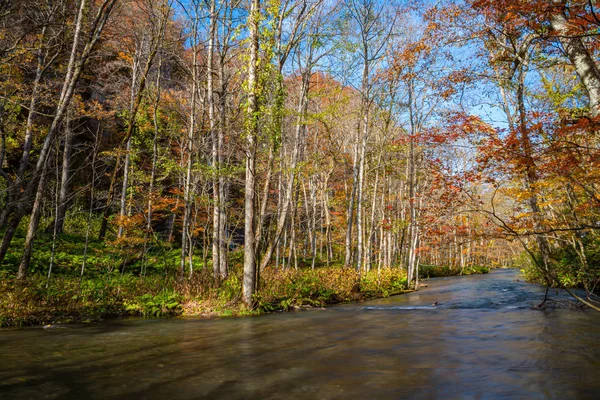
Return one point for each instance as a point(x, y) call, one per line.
point(165, 303)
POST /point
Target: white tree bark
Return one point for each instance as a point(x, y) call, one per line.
point(250, 281)
point(579, 56)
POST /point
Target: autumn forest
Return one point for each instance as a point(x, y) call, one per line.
point(219, 157)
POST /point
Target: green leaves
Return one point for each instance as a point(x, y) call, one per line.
point(165, 303)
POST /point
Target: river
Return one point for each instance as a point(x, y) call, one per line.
point(481, 341)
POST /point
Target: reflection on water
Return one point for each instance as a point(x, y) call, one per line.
point(481, 340)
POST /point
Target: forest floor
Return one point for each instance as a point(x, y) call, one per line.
point(111, 288)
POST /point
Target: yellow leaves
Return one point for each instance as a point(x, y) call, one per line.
point(517, 193)
point(522, 216)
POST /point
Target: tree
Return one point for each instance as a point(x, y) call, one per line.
point(251, 132)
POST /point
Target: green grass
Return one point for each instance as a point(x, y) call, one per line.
point(106, 293)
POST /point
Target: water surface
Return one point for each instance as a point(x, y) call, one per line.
point(481, 341)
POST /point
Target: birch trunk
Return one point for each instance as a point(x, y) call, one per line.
point(187, 181)
point(585, 65)
point(250, 281)
point(216, 191)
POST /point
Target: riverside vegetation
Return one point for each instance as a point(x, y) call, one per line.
point(109, 291)
point(112, 289)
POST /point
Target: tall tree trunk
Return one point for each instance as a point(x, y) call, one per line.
point(531, 175)
point(156, 124)
point(372, 229)
point(8, 181)
point(32, 228)
point(359, 192)
point(216, 190)
point(328, 241)
point(412, 232)
point(350, 219)
point(187, 190)
point(125, 184)
point(63, 197)
point(137, 94)
point(585, 65)
point(223, 240)
point(250, 281)
point(313, 221)
point(91, 208)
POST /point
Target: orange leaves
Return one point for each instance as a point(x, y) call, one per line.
point(129, 225)
point(409, 55)
point(127, 57)
point(458, 126)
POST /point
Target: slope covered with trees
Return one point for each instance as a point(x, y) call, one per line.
point(155, 153)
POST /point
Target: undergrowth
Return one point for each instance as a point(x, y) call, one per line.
point(63, 299)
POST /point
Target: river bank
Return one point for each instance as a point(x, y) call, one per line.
point(66, 299)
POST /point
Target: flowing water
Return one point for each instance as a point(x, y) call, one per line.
point(481, 341)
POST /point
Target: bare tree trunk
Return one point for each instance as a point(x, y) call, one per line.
point(223, 242)
point(55, 225)
point(279, 209)
point(123, 200)
point(264, 198)
point(328, 244)
point(187, 182)
point(313, 222)
point(372, 229)
point(579, 56)
point(32, 228)
point(412, 240)
point(350, 219)
point(361, 145)
point(173, 216)
point(4, 175)
point(216, 190)
point(136, 96)
point(64, 181)
point(250, 281)
point(359, 193)
point(292, 253)
point(155, 123)
point(91, 208)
